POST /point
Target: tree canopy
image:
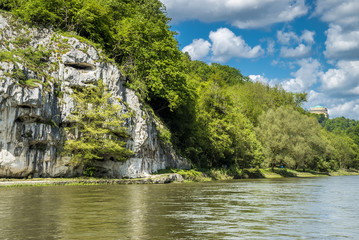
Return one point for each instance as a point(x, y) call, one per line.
point(217, 116)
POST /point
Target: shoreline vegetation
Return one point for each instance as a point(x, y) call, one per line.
point(212, 114)
point(177, 176)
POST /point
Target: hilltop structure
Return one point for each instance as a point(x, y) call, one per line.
point(319, 110)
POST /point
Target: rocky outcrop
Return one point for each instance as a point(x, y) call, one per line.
point(39, 70)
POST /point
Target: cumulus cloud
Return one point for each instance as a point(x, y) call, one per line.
point(308, 74)
point(298, 52)
point(348, 109)
point(291, 38)
point(339, 84)
point(287, 38)
point(337, 107)
point(344, 12)
point(198, 49)
point(241, 14)
point(307, 36)
point(226, 45)
point(343, 33)
point(342, 44)
point(259, 78)
point(305, 77)
point(342, 80)
point(337, 88)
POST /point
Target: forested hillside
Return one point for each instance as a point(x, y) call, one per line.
point(214, 116)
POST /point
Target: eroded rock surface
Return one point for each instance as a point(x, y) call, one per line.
point(36, 102)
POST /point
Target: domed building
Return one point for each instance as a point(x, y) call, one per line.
point(319, 110)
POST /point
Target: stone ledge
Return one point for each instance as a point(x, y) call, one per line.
point(153, 179)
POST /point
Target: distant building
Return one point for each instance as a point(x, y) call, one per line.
point(319, 110)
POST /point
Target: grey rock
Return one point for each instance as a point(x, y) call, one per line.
point(32, 119)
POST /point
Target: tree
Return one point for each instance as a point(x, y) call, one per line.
point(97, 127)
point(289, 138)
point(346, 151)
point(254, 98)
point(134, 33)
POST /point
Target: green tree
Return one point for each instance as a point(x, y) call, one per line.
point(97, 127)
point(254, 98)
point(224, 136)
point(346, 151)
point(339, 124)
point(134, 33)
point(289, 138)
point(354, 133)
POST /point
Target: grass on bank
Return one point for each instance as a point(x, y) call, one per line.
point(203, 175)
point(191, 175)
point(344, 172)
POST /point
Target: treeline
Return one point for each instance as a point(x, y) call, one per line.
point(216, 117)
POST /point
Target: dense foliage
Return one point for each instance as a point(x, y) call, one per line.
point(133, 32)
point(289, 138)
point(218, 118)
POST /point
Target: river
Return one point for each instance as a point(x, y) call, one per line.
point(290, 208)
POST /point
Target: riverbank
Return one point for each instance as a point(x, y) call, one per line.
point(177, 175)
point(153, 179)
point(253, 173)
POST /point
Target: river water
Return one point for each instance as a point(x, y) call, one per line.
point(290, 208)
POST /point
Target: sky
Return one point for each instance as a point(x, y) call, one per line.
point(306, 46)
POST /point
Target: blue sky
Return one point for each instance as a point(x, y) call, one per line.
point(310, 46)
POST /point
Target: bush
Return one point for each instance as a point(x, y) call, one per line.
point(89, 171)
point(100, 128)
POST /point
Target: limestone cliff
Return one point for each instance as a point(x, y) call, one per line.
point(39, 70)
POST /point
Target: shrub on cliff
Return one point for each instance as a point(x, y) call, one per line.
point(97, 128)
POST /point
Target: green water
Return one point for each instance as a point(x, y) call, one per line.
point(315, 208)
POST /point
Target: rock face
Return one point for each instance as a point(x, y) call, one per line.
point(39, 70)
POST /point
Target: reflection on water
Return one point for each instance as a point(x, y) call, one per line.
point(316, 208)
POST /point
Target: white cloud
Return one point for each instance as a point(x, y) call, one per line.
point(239, 13)
point(263, 79)
point(337, 107)
point(287, 38)
point(339, 90)
point(308, 74)
point(226, 45)
point(339, 85)
point(342, 44)
point(198, 49)
point(307, 36)
point(270, 47)
point(342, 80)
point(298, 52)
point(305, 77)
point(348, 109)
point(291, 38)
point(343, 12)
point(259, 78)
point(343, 33)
